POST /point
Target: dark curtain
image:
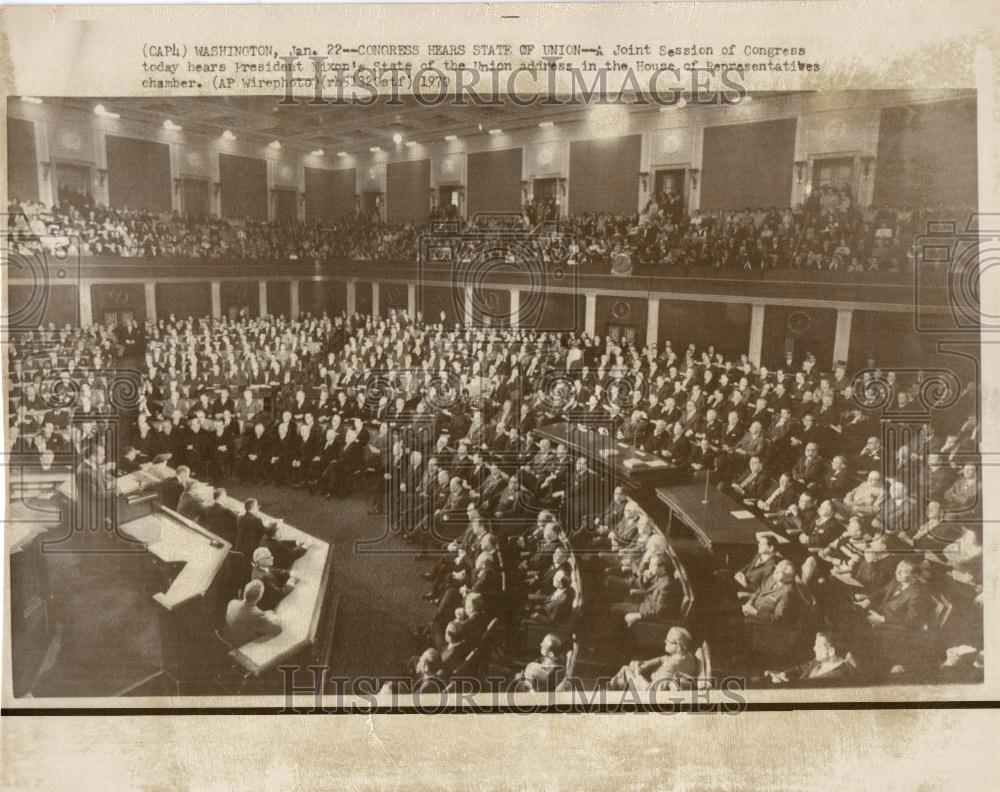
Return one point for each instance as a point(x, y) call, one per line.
point(285, 206)
point(22, 160)
point(329, 194)
point(494, 179)
point(138, 174)
point(244, 187)
point(748, 165)
point(407, 186)
point(927, 156)
point(604, 175)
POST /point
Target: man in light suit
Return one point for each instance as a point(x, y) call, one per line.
point(245, 621)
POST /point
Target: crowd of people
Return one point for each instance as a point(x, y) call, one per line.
point(829, 232)
point(450, 423)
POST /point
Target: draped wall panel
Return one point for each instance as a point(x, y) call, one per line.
point(748, 165)
point(604, 175)
point(138, 174)
point(406, 187)
point(22, 158)
point(494, 179)
point(244, 187)
point(329, 194)
point(927, 156)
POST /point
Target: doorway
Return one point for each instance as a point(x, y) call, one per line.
point(194, 198)
point(670, 188)
point(286, 206)
point(834, 172)
point(371, 202)
point(448, 201)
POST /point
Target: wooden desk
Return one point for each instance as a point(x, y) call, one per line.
point(29, 480)
point(300, 610)
point(28, 520)
point(713, 523)
point(172, 539)
point(638, 469)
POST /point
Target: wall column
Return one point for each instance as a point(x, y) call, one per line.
point(102, 194)
point(86, 309)
point(652, 321)
point(756, 333)
point(262, 297)
point(842, 335)
point(352, 298)
point(515, 308)
point(411, 301)
point(149, 289)
point(216, 300)
point(590, 314)
point(468, 319)
point(46, 176)
point(375, 295)
point(175, 176)
point(293, 292)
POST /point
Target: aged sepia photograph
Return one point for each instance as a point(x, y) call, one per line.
point(611, 395)
point(568, 396)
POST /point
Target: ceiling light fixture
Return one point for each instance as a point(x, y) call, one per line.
point(341, 153)
point(170, 126)
point(547, 124)
point(31, 100)
point(397, 138)
point(275, 144)
point(451, 137)
point(412, 143)
point(103, 112)
point(228, 136)
point(496, 132)
point(374, 149)
point(317, 152)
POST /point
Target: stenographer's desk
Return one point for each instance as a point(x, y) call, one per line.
point(300, 611)
point(722, 525)
point(630, 465)
point(175, 539)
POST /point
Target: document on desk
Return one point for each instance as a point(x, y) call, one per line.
point(386, 280)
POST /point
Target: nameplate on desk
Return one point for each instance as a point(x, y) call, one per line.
point(742, 514)
point(608, 452)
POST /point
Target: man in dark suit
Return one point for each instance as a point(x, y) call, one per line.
point(810, 468)
point(254, 457)
point(350, 461)
point(558, 608)
point(777, 601)
point(903, 603)
point(656, 595)
point(828, 662)
point(751, 485)
point(171, 489)
point(897, 613)
point(249, 530)
point(779, 497)
point(837, 481)
point(219, 519)
point(285, 552)
point(759, 568)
